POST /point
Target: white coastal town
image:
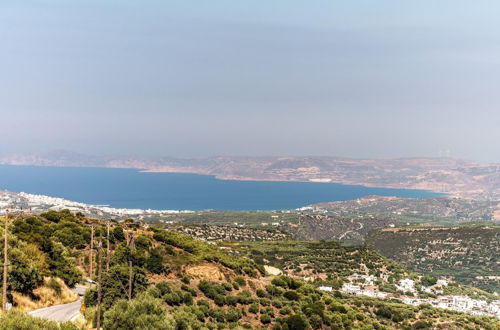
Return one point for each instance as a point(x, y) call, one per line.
point(25, 202)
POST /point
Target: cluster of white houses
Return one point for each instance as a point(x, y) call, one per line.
point(458, 303)
point(41, 203)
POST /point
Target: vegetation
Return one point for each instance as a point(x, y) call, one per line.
point(15, 320)
point(469, 253)
point(222, 218)
point(318, 260)
point(182, 283)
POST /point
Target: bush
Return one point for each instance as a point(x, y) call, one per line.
point(286, 310)
point(173, 298)
point(185, 279)
point(261, 293)
point(217, 314)
point(265, 319)
point(55, 286)
point(291, 295)
point(245, 297)
point(296, 322)
point(240, 280)
point(21, 321)
point(90, 297)
point(143, 312)
point(233, 315)
point(254, 308)
point(421, 324)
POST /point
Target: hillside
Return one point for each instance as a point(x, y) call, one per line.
point(460, 178)
point(323, 227)
point(181, 283)
point(432, 209)
point(470, 253)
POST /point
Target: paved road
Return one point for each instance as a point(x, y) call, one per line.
point(351, 231)
point(61, 313)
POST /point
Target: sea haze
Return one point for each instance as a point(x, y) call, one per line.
point(129, 188)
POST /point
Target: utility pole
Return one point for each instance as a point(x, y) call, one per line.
point(107, 248)
point(130, 272)
point(5, 262)
point(99, 285)
point(91, 251)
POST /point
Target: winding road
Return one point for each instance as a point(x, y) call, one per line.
point(64, 312)
point(361, 225)
point(59, 313)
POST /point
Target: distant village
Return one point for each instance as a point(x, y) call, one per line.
point(25, 202)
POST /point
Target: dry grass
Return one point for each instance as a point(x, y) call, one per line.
point(47, 296)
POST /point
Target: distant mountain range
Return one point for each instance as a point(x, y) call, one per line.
point(457, 177)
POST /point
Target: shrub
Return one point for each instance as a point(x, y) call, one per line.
point(265, 319)
point(185, 279)
point(217, 314)
point(173, 298)
point(261, 293)
point(273, 290)
point(143, 312)
point(278, 303)
point(245, 297)
point(421, 324)
point(291, 295)
point(163, 287)
point(21, 321)
point(233, 315)
point(55, 286)
point(254, 308)
point(296, 322)
point(286, 310)
point(231, 300)
point(240, 280)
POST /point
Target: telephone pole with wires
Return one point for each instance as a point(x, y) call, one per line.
point(107, 247)
point(91, 269)
point(131, 245)
point(99, 284)
point(5, 261)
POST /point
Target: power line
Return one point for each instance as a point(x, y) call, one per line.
point(99, 285)
point(130, 242)
point(5, 262)
point(91, 270)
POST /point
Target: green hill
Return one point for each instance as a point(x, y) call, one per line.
point(470, 254)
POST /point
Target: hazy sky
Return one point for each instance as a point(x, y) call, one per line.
point(200, 78)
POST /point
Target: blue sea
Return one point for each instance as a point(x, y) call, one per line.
point(129, 188)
